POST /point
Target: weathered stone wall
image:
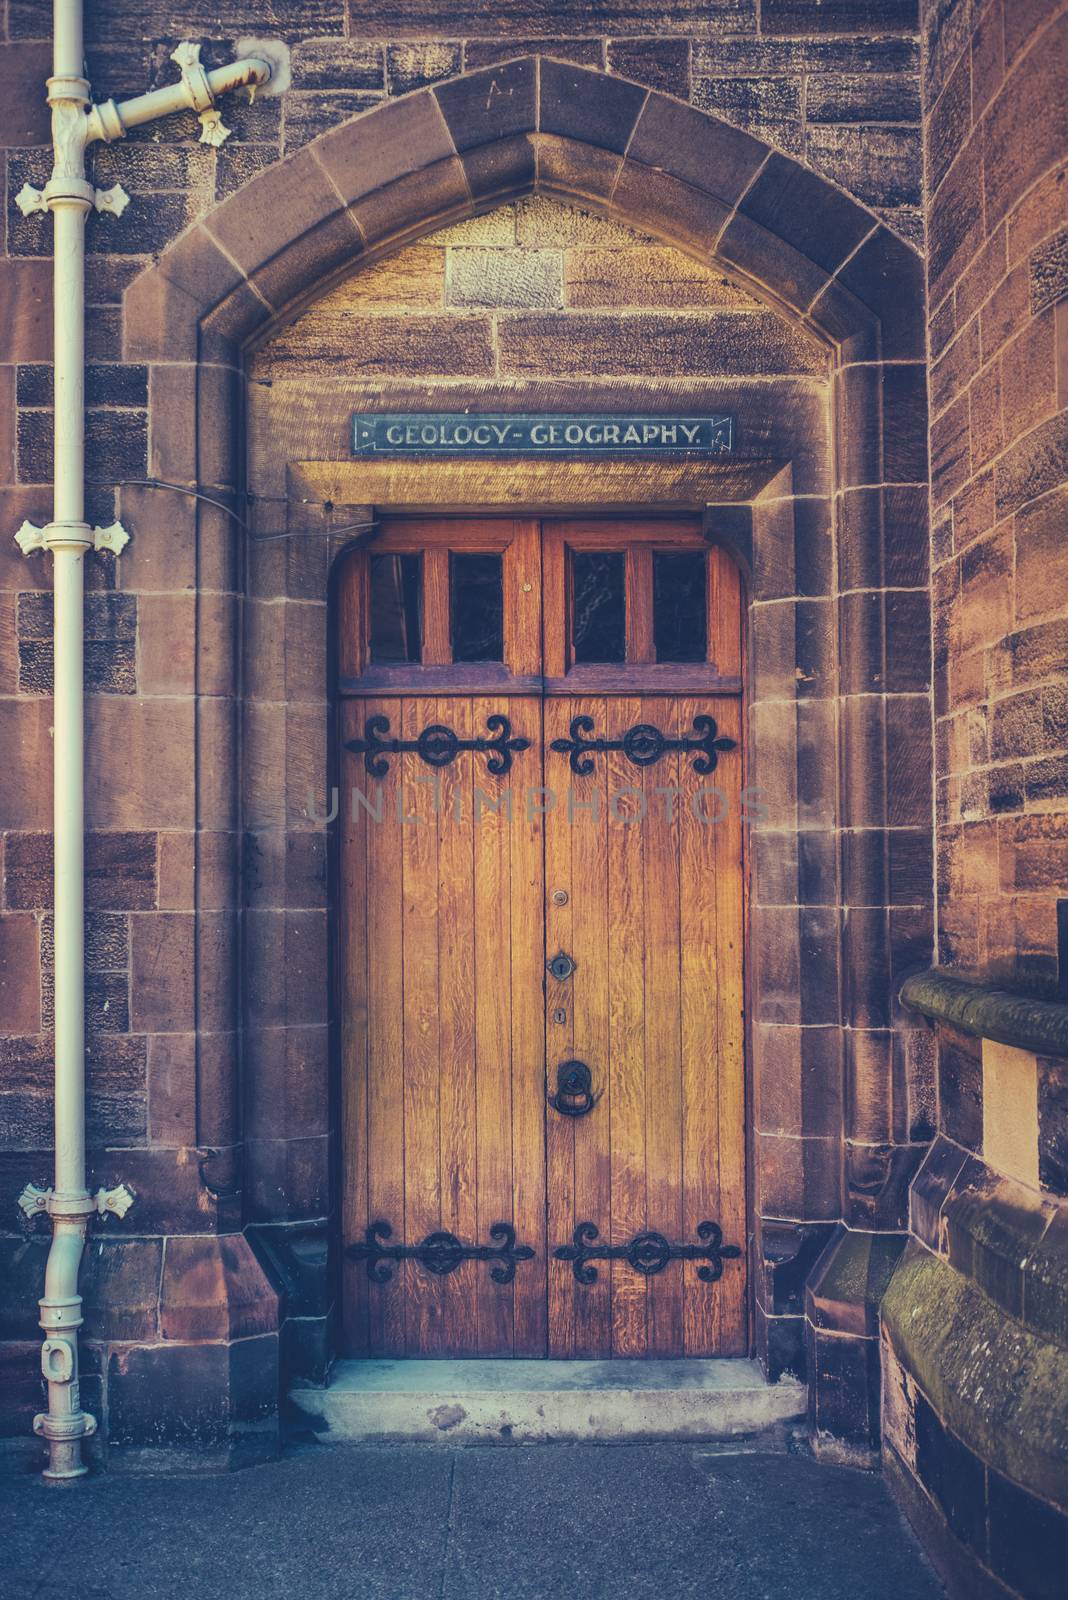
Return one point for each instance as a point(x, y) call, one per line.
point(175, 1108)
point(997, 141)
point(975, 1321)
point(975, 1327)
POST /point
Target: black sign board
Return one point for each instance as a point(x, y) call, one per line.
point(454, 433)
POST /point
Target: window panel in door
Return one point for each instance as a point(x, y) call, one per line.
point(476, 605)
point(680, 605)
point(598, 605)
point(396, 606)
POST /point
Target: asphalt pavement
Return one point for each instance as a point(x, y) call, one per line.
point(434, 1522)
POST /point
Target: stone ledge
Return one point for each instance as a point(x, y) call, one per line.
point(997, 1386)
point(988, 1011)
point(526, 1402)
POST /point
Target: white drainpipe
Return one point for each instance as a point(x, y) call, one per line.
point(76, 123)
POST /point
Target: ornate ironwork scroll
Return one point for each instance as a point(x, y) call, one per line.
point(440, 1253)
point(644, 744)
point(437, 745)
point(648, 1253)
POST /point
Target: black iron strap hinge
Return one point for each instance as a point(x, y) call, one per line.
point(440, 1253)
point(647, 1253)
point(644, 744)
point(437, 745)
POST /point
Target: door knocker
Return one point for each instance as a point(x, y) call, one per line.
point(574, 1090)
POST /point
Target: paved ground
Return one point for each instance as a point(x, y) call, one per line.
point(425, 1522)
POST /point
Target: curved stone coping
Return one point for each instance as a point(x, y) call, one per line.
point(1001, 1389)
point(988, 1011)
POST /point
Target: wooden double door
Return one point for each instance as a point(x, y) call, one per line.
point(541, 904)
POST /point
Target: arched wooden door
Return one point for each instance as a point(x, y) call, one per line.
point(541, 940)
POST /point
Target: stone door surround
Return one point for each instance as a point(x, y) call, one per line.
point(845, 732)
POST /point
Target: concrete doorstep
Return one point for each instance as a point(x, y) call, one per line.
point(536, 1402)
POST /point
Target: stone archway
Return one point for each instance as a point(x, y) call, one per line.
point(841, 903)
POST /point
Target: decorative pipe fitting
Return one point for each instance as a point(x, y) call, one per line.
point(69, 197)
point(198, 90)
point(187, 59)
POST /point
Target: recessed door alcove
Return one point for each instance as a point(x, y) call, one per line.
point(824, 501)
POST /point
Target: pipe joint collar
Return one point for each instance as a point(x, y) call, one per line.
point(72, 1207)
point(68, 535)
point(106, 123)
point(60, 1316)
point(65, 190)
point(79, 1425)
point(67, 88)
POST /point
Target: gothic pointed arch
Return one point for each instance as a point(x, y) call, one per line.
point(463, 146)
point(839, 714)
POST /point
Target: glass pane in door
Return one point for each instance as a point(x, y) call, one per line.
point(680, 605)
point(598, 605)
point(476, 605)
point(396, 607)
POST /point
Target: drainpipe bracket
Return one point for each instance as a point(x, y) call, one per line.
point(30, 538)
point(117, 1201)
point(115, 538)
point(30, 200)
point(213, 129)
point(33, 1201)
point(56, 1204)
point(114, 199)
point(54, 536)
point(194, 75)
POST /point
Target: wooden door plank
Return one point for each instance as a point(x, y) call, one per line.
point(556, 607)
point(437, 636)
point(352, 916)
point(351, 615)
point(700, 978)
point(456, 1032)
point(385, 1028)
point(493, 1031)
point(731, 1333)
point(639, 585)
point(422, 1135)
point(626, 1012)
point(454, 533)
point(663, 1044)
point(724, 613)
point(561, 1131)
point(526, 944)
point(521, 570)
point(582, 811)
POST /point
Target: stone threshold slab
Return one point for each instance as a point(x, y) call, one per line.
point(525, 1402)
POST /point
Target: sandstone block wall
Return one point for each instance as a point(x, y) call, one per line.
point(975, 1320)
point(214, 1138)
point(997, 141)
